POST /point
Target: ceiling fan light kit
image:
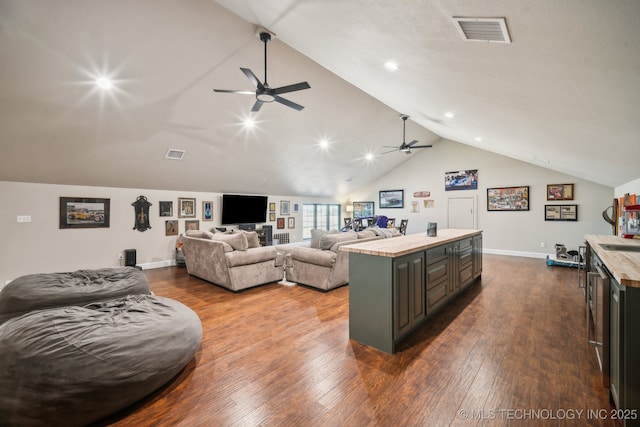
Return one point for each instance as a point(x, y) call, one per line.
point(265, 93)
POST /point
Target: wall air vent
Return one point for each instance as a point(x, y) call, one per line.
point(488, 30)
point(174, 154)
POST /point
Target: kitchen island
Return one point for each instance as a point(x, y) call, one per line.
point(396, 284)
point(613, 287)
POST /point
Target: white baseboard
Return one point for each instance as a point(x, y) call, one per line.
point(158, 264)
point(514, 253)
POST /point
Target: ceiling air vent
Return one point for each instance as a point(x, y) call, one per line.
point(488, 30)
point(174, 154)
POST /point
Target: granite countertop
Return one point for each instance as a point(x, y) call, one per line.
point(623, 265)
point(402, 245)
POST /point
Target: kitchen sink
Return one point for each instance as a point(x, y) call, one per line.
point(621, 248)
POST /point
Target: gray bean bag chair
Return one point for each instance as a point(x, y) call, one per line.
point(47, 290)
point(71, 366)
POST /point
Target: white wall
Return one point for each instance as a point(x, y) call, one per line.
point(40, 246)
point(632, 187)
point(516, 233)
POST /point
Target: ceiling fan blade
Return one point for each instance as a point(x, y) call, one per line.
point(389, 146)
point(244, 92)
point(247, 72)
point(291, 88)
point(390, 151)
point(412, 143)
point(257, 105)
point(421, 146)
point(288, 103)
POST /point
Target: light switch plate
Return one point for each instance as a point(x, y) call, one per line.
point(24, 218)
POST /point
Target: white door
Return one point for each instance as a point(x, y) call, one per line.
point(462, 212)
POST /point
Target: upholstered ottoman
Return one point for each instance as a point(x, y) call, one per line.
point(74, 365)
point(47, 290)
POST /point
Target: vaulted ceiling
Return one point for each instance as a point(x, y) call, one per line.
point(562, 95)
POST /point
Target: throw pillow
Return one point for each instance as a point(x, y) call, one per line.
point(199, 234)
point(252, 239)
point(316, 235)
point(238, 241)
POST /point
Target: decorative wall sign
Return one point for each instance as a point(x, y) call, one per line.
point(508, 199)
point(461, 180)
point(429, 203)
point(141, 208)
point(84, 212)
point(422, 194)
point(560, 192)
point(415, 206)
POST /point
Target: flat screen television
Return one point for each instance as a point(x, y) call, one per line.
point(243, 209)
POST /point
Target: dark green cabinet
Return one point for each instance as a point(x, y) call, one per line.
point(477, 256)
point(391, 296)
point(409, 293)
point(624, 344)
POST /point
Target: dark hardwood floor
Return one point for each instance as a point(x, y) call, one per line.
point(511, 350)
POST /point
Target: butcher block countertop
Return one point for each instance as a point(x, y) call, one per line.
point(403, 245)
point(624, 265)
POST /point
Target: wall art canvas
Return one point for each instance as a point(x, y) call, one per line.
point(508, 199)
point(83, 212)
point(461, 180)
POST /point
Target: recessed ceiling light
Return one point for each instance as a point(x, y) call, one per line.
point(368, 157)
point(104, 82)
point(449, 115)
point(324, 143)
point(391, 66)
point(249, 123)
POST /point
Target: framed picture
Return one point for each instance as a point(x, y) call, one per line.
point(84, 212)
point(272, 207)
point(560, 212)
point(272, 216)
point(186, 207)
point(280, 223)
point(207, 211)
point(291, 222)
point(171, 227)
point(560, 192)
point(461, 180)
point(362, 209)
point(508, 199)
point(166, 208)
point(284, 207)
point(192, 224)
point(391, 199)
point(296, 207)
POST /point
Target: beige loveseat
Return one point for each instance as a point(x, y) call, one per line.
point(234, 261)
point(323, 265)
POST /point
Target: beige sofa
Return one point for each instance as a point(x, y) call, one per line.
point(233, 261)
point(323, 265)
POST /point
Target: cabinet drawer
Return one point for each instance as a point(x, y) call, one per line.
point(436, 254)
point(466, 274)
point(466, 257)
point(437, 272)
point(436, 295)
point(465, 244)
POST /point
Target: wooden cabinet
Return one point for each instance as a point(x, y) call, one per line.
point(624, 345)
point(409, 291)
point(477, 256)
point(390, 296)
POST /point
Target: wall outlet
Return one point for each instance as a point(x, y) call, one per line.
point(120, 256)
point(23, 218)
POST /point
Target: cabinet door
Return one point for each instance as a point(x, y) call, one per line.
point(615, 354)
point(477, 256)
point(453, 251)
point(409, 293)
